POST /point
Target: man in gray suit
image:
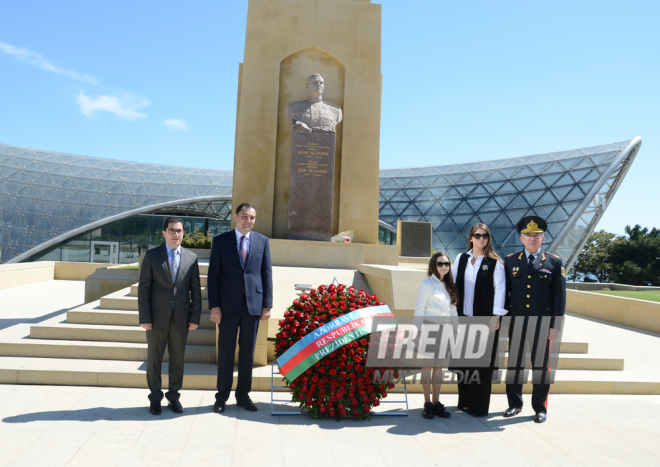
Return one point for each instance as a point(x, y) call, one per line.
point(170, 305)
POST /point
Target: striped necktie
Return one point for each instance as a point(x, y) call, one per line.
point(174, 263)
point(243, 251)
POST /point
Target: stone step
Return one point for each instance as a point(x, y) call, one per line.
point(123, 300)
point(133, 351)
point(205, 291)
point(91, 313)
point(106, 333)
point(122, 373)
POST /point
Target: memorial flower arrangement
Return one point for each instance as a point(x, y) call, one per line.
point(339, 385)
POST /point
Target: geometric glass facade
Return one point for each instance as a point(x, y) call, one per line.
point(68, 207)
point(570, 189)
point(47, 197)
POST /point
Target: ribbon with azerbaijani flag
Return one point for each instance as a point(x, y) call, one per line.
point(328, 338)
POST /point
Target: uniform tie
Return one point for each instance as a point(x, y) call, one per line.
point(530, 263)
point(175, 265)
point(243, 251)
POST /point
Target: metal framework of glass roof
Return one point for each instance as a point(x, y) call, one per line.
point(569, 189)
point(48, 197)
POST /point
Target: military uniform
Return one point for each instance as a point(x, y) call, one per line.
point(536, 289)
point(316, 115)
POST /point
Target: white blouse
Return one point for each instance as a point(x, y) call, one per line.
point(433, 299)
point(470, 281)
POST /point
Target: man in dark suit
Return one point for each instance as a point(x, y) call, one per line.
point(170, 305)
point(240, 285)
point(536, 287)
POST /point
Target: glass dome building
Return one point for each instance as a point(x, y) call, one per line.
point(56, 206)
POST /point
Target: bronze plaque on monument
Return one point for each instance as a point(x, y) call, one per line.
point(311, 186)
point(414, 238)
point(312, 176)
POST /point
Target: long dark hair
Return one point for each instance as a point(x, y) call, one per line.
point(489, 252)
point(448, 280)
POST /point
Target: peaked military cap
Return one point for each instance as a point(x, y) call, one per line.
point(532, 224)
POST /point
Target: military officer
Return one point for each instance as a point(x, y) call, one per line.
point(314, 115)
point(536, 286)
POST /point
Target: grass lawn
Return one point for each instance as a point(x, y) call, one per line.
point(651, 295)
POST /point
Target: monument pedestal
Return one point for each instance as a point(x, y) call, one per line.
point(311, 186)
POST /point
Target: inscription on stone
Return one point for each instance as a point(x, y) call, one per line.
point(414, 238)
point(311, 186)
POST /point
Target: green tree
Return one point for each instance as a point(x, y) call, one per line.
point(594, 257)
point(636, 259)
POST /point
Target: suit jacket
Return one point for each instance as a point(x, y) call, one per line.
point(540, 291)
point(228, 281)
point(159, 300)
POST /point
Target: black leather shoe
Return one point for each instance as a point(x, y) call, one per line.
point(427, 413)
point(247, 404)
point(440, 411)
point(540, 417)
point(219, 407)
point(175, 406)
point(154, 408)
point(511, 411)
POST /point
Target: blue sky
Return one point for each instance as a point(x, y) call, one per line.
point(462, 81)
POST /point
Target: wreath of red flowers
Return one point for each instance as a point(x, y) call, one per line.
point(339, 385)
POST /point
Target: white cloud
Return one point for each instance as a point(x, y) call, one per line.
point(174, 124)
point(28, 56)
point(126, 108)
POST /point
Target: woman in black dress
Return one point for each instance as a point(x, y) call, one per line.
point(481, 282)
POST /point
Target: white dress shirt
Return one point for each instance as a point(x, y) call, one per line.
point(238, 241)
point(470, 282)
point(433, 299)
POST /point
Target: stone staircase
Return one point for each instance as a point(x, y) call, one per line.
point(101, 343)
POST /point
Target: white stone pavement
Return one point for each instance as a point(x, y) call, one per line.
point(83, 426)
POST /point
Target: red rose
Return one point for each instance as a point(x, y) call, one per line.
point(321, 393)
point(356, 413)
point(365, 399)
point(302, 332)
point(367, 409)
point(315, 378)
point(309, 402)
point(391, 385)
point(332, 372)
point(285, 334)
point(340, 407)
point(354, 403)
point(342, 375)
point(331, 413)
point(322, 370)
point(323, 410)
point(376, 403)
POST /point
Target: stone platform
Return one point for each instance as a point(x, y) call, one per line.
point(47, 339)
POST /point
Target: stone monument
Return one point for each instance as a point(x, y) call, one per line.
point(285, 42)
point(312, 173)
point(415, 239)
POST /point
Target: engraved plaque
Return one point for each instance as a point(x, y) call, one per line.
point(311, 186)
point(414, 238)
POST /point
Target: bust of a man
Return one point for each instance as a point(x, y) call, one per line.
point(313, 115)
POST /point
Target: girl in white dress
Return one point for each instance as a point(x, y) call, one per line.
point(437, 297)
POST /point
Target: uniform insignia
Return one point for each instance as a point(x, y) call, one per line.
point(563, 272)
point(484, 267)
point(554, 256)
point(521, 254)
point(543, 256)
point(546, 271)
point(514, 270)
point(512, 254)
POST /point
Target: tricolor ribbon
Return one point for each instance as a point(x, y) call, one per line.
point(323, 341)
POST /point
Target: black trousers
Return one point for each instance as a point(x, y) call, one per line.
point(175, 341)
point(531, 341)
point(474, 389)
point(228, 330)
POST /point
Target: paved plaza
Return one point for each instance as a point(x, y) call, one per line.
point(96, 426)
point(83, 426)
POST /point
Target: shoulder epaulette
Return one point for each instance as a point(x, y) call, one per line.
point(327, 103)
point(512, 254)
point(554, 256)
